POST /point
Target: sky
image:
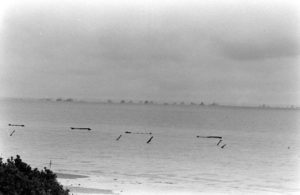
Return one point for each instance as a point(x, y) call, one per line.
point(234, 51)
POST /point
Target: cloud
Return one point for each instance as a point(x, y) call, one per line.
point(259, 32)
point(260, 47)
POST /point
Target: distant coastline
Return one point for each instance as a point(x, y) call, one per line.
point(150, 102)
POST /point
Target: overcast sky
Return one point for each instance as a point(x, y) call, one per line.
point(240, 52)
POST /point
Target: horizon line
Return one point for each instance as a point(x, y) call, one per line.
point(156, 102)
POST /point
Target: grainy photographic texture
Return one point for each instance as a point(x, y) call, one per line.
point(153, 96)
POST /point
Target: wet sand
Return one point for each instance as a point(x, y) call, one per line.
point(69, 176)
point(83, 190)
point(76, 190)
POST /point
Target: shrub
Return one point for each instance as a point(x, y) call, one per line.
point(17, 178)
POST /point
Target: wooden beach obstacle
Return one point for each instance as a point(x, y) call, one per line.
point(81, 128)
point(16, 125)
point(12, 132)
point(223, 146)
point(216, 137)
point(129, 132)
point(150, 140)
point(142, 133)
point(119, 137)
point(219, 142)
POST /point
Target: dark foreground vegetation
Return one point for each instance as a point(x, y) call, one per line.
point(18, 178)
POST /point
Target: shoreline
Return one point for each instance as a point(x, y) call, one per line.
point(77, 190)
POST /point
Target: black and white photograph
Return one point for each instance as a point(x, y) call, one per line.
point(149, 97)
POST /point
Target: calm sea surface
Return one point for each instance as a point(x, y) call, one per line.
point(261, 156)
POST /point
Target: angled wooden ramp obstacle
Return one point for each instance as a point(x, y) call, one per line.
point(14, 125)
point(137, 133)
point(214, 137)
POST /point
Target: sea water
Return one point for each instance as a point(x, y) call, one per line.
point(261, 155)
